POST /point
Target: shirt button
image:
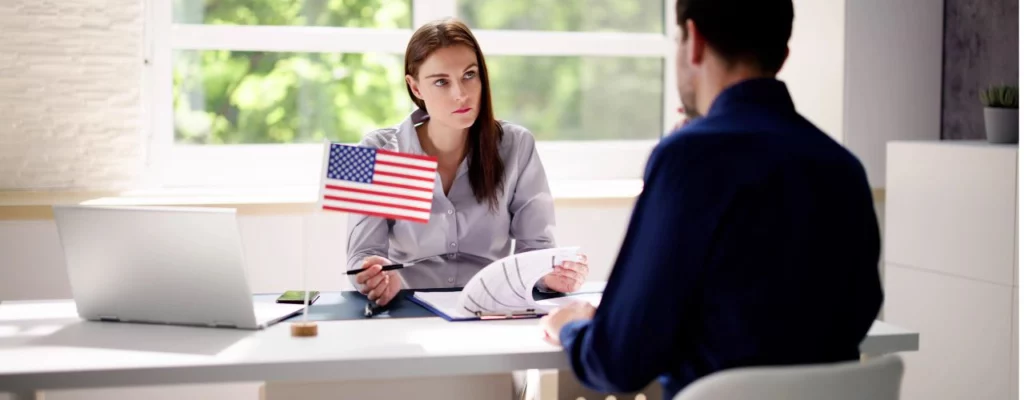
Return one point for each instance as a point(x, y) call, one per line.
point(450, 212)
point(451, 280)
point(452, 245)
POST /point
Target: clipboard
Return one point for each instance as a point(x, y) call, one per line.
point(477, 316)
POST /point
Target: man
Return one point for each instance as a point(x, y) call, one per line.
point(754, 241)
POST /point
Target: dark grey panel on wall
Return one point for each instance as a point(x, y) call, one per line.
point(981, 48)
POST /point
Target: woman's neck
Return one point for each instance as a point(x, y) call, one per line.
point(448, 145)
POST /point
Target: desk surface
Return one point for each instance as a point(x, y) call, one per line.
point(44, 345)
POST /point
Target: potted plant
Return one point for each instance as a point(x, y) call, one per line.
point(1001, 123)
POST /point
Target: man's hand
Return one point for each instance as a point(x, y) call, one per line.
point(569, 276)
point(379, 286)
point(558, 318)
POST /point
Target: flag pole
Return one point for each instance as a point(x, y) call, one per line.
point(305, 328)
point(305, 266)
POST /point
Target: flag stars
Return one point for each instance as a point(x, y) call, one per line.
point(351, 163)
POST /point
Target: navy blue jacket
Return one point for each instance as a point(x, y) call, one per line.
point(754, 242)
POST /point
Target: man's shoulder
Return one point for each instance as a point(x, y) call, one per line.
point(694, 139)
point(771, 143)
point(762, 132)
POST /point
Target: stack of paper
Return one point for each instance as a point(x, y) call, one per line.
point(505, 287)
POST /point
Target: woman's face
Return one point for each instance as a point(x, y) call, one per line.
point(449, 84)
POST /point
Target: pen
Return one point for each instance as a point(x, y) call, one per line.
point(385, 268)
point(529, 313)
point(372, 309)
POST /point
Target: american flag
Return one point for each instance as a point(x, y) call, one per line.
point(376, 182)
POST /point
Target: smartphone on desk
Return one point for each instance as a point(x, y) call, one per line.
point(297, 296)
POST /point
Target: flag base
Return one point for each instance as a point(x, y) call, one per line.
point(304, 329)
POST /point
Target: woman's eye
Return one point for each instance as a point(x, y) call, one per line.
point(440, 82)
point(470, 75)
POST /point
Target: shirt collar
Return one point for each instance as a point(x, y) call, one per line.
point(760, 93)
point(409, 141)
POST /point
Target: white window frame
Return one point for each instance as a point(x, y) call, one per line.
point(169, 165)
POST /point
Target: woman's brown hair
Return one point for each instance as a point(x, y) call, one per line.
point(486, 169)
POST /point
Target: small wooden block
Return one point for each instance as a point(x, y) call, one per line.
point(304, 329)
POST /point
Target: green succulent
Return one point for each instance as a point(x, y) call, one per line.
point(1000, 96)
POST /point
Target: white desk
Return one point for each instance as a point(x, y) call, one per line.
point(43, 345)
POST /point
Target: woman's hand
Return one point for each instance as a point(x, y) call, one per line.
point(569, 276)
point(379, 286)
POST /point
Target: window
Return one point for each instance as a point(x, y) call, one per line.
point(240, 92)
point(579, 98)
point(348, 14)
point(643, 16)
point(240, 97)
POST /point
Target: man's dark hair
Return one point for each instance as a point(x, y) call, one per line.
point(755, 31)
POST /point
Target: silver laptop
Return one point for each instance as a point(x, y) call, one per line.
point(165, 265)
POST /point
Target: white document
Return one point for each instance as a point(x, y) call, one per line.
point(506, 287)
point(550, 304)
point(445, 303)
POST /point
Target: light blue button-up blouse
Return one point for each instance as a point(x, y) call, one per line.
point(463, 235)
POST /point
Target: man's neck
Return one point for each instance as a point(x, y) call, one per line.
point(721, 78)
point(448, 145)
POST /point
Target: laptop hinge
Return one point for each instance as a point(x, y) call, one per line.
point(223, 325)
point(109, 318)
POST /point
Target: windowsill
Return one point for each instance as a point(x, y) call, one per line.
point(289, 200)
point(36, 205)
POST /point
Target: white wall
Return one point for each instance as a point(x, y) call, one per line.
point(70, 84)
point(813, 72)
point(893, 77)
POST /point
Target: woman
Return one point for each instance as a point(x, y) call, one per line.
point(491, 188)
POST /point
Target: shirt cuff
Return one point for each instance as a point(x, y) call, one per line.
point(543, 288)
point(571, 331)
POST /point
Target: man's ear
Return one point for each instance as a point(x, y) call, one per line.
point(697, 43)
point(415, 86)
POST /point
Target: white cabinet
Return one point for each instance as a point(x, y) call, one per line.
point(950, 257)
